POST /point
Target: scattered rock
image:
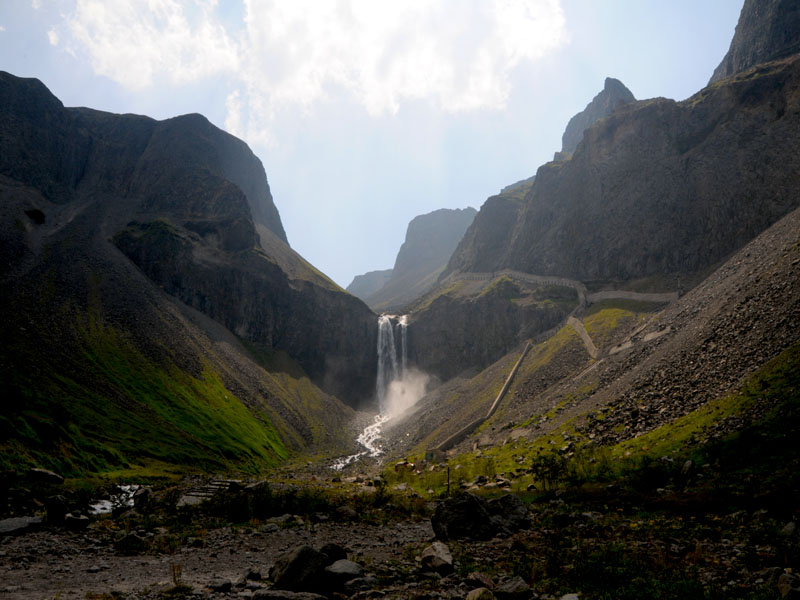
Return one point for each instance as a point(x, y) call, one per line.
point(437, 558)
point(789, 529)
point(345, 513)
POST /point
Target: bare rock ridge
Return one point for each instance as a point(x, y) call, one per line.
point(183, 201)
point(767, 30)
point(613, 95)
point(430, 240)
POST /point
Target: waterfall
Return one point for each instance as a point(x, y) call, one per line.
point(387, 360)
point(403, 322)
point(390, 368)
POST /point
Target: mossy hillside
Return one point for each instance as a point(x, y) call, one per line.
point(100, 405)
point(603, 319)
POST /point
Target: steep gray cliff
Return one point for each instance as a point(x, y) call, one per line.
point(658, 187)
point(767, 30)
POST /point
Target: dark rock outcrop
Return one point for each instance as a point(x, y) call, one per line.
point(468, 516)
point(613, 95)
point(430, 241)
point(767, 30)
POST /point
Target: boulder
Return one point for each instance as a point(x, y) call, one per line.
point(220, 585)
point(285, 595)
point(480, 594)
point(56, 507)
point(342, 571)
point(76, 522)
point(437, 558)
point(789, 586)
point(334, 552)
point(463, 516)
point(300, 570)
point(17, 525)
point(142, 498)
point(513, 589)
point(509, 513)
point(44, 476)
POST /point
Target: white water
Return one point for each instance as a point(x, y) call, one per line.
point(123, 498)
point(369, 439)
point(397, 387)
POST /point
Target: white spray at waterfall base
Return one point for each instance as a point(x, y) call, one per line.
point(398, 387)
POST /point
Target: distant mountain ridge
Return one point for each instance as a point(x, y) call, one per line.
point(367, 284)
point(430, 240)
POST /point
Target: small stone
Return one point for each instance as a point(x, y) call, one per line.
point(570, 597)
point(789, 529)
point(253, 575)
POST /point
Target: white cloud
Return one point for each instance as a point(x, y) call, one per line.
point(52, 36)
point(2, 28)
point(131, 42)
point(36, 4)
point(457, 55)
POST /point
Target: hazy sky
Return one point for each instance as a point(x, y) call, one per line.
point(367, 113)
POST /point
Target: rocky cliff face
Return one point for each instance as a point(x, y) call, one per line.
point(659, 186)
point(613, 95)
point(767, 30)
point(430, 240)
point(485, 240)
point(184, 201)
point(367, 284)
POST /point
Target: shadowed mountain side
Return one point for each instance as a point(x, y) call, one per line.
point(658, 187)
point(173, 196)
point(767, 30)
point(430, 240)
point(102, 370)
